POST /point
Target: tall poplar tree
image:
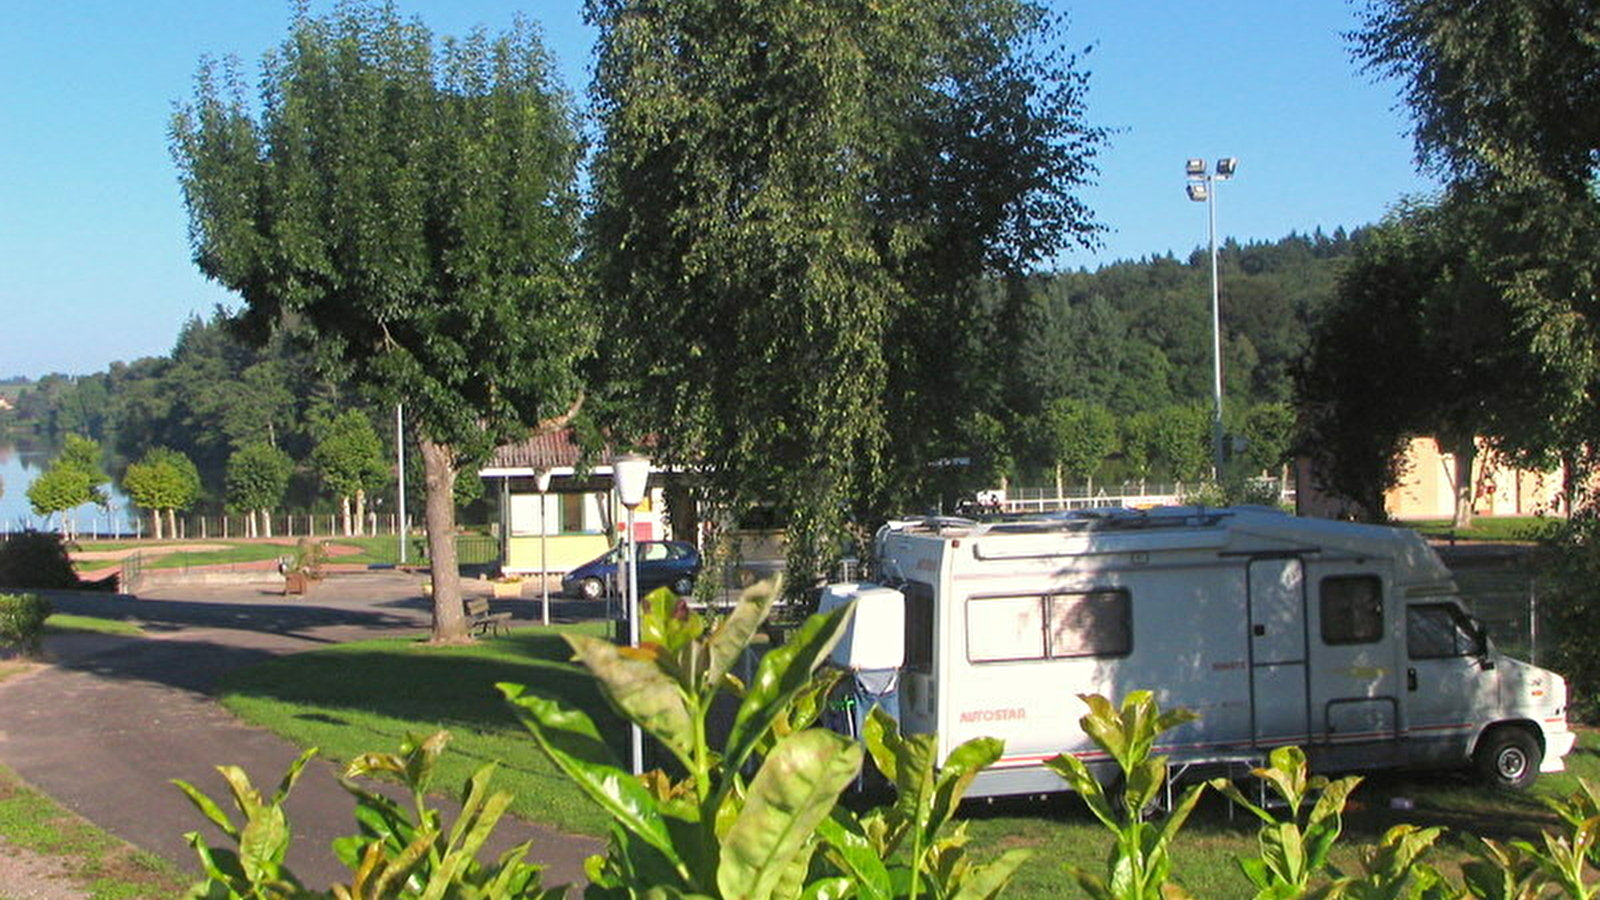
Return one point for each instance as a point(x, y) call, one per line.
point(410, 203)
point(795, 203)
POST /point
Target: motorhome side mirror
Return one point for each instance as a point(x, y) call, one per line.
point(1480, 642)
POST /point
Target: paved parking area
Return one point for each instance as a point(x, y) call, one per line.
point(112, 720)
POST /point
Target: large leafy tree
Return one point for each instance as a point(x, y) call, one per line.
point(795, 204)
point(349, 457)
point(1077, 437)
point(1180, 437)
point(411, 204)
point(1494, 87)
point(162, 481)
point(1505, 106)
point(72, 479)
point(1424, 339)
point(257, 478)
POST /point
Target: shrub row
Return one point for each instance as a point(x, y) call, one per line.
point(22, 620)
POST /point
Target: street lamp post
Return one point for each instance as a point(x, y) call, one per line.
point(400, 474)
point(631, 472)
point(1202, 189)
point(542, 479)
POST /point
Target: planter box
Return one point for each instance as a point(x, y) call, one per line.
point(296, 583)
point(508, 589)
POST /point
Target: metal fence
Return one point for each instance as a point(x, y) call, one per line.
point(220, 527)
point(1505, 594)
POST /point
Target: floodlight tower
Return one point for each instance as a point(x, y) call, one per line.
point(1202, 189)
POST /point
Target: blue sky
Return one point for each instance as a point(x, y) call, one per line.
point(94, 256)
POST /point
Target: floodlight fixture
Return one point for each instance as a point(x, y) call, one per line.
point(1199, 192)
point(1226, 165)
point(1196, 168)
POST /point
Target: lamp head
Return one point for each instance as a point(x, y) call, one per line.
point(1199, 192)
point(631, 472)
point(541, 478)
point(1196, 168)
point(1226, 165)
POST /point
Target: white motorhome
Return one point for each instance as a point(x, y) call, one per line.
point(1348, 640)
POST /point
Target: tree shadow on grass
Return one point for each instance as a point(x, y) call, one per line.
point(450, 687)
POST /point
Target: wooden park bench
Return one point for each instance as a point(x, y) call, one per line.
point(482, 621)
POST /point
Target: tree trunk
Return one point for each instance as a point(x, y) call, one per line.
point(266, 523)
point(344, 514)
point(361, 511)
point(1569, 482)
point(439, 478)
point(1465, 451)
point(155, 524)
point(172, 522)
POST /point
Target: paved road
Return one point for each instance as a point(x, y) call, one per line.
point(107, 727)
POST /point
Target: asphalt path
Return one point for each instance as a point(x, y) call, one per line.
point(111, 721)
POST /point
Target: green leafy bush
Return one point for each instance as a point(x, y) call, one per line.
point(756, 817)
point(1141, 859)
point(1570, 564)
point(36, 559)
point(1295, 848)
point(399, 854)
point(22, 620)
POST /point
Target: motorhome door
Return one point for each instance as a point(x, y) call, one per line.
point(1278, 685)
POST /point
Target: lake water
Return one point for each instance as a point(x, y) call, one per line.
point(19, 466)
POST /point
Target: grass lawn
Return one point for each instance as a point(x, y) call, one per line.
point(1060, 830)
point(102, 866)
point(1488, 528)
point(64, 623)
point(382, 550)
point(359, 697)
point(364, 697)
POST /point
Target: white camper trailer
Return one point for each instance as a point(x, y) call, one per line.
point(1348, 640)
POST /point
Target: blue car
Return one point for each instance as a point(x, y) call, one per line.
point(671, 564)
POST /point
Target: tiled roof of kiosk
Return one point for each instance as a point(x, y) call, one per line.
point(554, 450)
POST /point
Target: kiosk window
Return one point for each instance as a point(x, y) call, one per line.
point(1439, 630)
point(1352, 609)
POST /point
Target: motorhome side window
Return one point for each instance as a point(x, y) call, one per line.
point(1054, 626)
point(1438, 630)
point(1352, 609)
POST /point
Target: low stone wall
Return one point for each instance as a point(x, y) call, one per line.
point(154, 578)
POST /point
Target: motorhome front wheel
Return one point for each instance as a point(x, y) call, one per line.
point(1507, 758)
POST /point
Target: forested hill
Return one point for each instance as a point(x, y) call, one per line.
point(1133, 338)
point(1136, 336)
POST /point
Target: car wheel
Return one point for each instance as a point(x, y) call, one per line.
point(591, 589)
point(683, 586)
point(1507, 758)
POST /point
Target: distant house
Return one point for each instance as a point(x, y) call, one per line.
point(1427, 488)
point(576, 519)
point(6, 405)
